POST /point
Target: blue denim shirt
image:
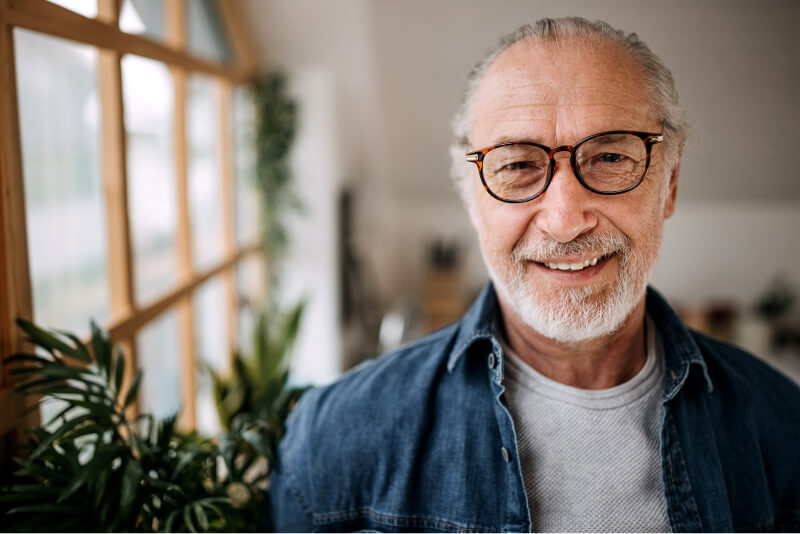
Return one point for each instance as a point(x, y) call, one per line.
point(422, 440)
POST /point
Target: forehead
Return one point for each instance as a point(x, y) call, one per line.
point(558, 93)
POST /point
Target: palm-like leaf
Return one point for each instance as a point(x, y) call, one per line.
point(260, 376)
point(91, 468)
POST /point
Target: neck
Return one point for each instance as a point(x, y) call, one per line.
point(599, 363)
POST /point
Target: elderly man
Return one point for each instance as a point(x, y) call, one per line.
point(570, 397)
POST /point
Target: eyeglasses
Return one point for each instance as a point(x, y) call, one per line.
point(607, 163)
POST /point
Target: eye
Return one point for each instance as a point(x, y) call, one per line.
point(517, 166)
point(610, 157)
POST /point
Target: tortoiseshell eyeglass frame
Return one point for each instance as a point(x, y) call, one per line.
point(649, 139)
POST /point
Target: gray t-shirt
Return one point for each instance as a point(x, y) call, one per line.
point(591, 458)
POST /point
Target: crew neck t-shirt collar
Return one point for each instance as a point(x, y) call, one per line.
point(644, 381)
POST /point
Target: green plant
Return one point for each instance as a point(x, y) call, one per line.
point(776, 300)
point(276, 126)
point(258, 385)
point(92, 467)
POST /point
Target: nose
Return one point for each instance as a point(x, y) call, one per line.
point(565, 208)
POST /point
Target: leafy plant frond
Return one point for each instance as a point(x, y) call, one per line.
point(94, 467)
point(91, 468)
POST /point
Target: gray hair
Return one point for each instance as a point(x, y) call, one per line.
point(561, 31)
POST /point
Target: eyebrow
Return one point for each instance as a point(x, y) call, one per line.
point(505, 139)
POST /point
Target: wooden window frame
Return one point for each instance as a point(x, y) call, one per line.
point(127, 317)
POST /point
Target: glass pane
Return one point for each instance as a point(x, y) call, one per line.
point(205, 35)
point(143, 17)
point(59, 124)
point(204, 179)
point(251, 288)
point(248, 205)
point(148, 99)
point(159, 356)
point(50, 407)
point(87, 8)
point(246, 322)
point(212, 349)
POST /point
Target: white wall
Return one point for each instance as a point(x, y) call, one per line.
point(728, 250)
point(734, 63)
point(397, 70)
point(309, 268)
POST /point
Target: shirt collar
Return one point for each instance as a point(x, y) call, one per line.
point(680, 349)
point(479, 323)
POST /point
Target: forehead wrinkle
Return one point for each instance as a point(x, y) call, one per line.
point(557, 98)
point(561, 123)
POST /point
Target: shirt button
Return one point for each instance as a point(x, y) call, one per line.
point(506, 454)
point(492, 360)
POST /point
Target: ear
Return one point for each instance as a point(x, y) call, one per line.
point(672, 194)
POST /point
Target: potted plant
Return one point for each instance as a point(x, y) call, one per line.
point(94, 467)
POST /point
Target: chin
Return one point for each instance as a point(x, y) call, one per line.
point(573, 314)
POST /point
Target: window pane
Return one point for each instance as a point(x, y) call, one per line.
point(158, 352)
point(87, 8)
point(202, 119)
point(212, 349)
point(251, 284)
point(143, 17)
point(247, 198)
point(59, 124)
point(205, 35)
point(148, 99)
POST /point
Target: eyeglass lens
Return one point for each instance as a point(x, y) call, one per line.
point(607, 164)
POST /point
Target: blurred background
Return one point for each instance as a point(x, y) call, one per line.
point(381, 248)
point(226, 186)
point(378, 82)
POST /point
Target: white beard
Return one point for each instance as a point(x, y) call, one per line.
point(570, 315)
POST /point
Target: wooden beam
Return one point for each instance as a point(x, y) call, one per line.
point(188, 344)
point(52, 19)
point(233, 23)
point(108, 11)
point(115, 181)
point(176, 38)
point(15, 283)
point(115, 185)
point(128, 326)
point(227, 185)
point(13, 406)
point(175, 15)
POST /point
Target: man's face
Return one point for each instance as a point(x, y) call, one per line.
point(557, 96)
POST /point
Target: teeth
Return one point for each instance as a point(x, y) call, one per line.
point(572, 266)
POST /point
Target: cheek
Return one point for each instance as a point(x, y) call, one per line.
point(657, 183)
point(644, 223)
point(500, 227)
point(638, 215)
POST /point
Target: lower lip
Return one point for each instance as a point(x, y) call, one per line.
point(574, 276)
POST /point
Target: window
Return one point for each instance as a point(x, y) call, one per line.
point(59, 111)
point(124, 171)
point(148, 101)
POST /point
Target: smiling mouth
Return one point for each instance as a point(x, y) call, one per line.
point(577, 266)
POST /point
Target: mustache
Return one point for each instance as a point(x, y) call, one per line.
point(595, 244)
